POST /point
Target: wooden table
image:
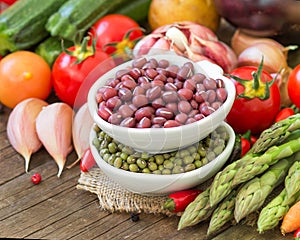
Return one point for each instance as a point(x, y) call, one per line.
point(55, 209)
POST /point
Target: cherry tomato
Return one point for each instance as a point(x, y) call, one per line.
point(294, 86)
point(284, 113)
point(69, 72)
point(112, 28)
point(257, 101)
point(23, 74)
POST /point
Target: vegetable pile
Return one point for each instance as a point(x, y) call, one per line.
point(59, 48)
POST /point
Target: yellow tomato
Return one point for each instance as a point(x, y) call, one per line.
point(23, 74)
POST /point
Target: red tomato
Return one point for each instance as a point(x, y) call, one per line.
point(250, 112)
point(68, 76)
point(112, 28)
point(294, 86)
point(284, 113)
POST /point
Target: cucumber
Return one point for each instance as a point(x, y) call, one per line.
point(75, 17)
point(137, 10)
point(22, 25)
point(51, 48)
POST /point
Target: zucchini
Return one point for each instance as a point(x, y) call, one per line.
point(137, 10)
point(75, 17)
point(51, 48)
point(22, 25)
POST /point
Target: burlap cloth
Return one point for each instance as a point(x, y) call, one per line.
point(113, 197)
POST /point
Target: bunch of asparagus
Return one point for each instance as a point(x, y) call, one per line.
point(243, 186)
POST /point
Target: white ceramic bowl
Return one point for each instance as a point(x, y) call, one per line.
point(158, 140)
point(154, 184)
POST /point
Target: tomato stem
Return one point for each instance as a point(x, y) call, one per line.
point(255, 87)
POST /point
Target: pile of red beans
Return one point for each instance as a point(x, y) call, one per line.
point(157, 94)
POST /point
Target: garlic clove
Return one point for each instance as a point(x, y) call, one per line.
point(21, 130)
point(54, 129)
point(82, 124)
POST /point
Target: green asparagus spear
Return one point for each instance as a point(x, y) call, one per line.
point(222, 214)
point(277, 133)
point(275, 210)
point(253, 193)
point(292, 181)
point(197, 211)
point(247, 168)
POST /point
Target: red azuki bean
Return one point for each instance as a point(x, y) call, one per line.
point(170, 87)
point(114, 103)
point(144, 112)
point(157, 103)
point(220, 83)
point(209, 83)
point(183, 73)
point(139, 62)
point(184, 106)
point(198, 77)
point(172, 70)
point(125, 94)
point(151, 73)
point(153, 93)
point(112, 82)
point(144, 123)
point(103, 111)
point(115, 118)
point(160, 77)
point(128, 122)
point(170, 80)
point(221, 94)
point(156, 126)
point(153, 61)
point(159, 120)
point(216, 105)
point(162, 71)
point(138, 90)
point(200, 96)
point(193, 113)
point(170, 96)
point(145, 85)
point(127, 76)
point(130, 84)
point(157, 83)
point(122, 72)
point(143, 79)
point(148, 65)
point(190, 120)
point(189, 65)
point(190, 84)
point(185, 93)
point(163, 63)
point(135, 73)
point(132, 106)
point(172, 106)
point(194, 104)
point(200, 87)
point(211, 95)
point(178, 83)
point(109, 93)
point(199, 116)
point(125, 111)
point(140, 100)
point(164, 112)
point(181, 118)
point(206, 110)
point(171, 123)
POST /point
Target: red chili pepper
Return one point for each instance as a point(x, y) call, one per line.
point(245, 144)
point(178, 201)
point(297, 234)
point(87, 161)
point(284, 113)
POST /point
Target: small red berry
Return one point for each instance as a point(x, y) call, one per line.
point(36, 178)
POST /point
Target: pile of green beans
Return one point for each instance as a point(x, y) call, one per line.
point(179, 161)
